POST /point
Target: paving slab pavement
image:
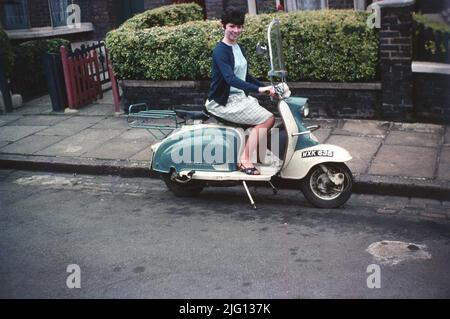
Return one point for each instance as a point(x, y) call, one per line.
point(3, 143)
point(364, 128)
point(71, 126)
point(15, 133)
point(5, 119)
point(419, 127)
point(39, 120)
point(401, 160)
point(31, 144)
point(143, 155)
point(447, 137)
point(361, 148)
point(413, 139)
point(81, 143)
point(444, 164)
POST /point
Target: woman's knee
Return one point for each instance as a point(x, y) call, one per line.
point(270, 121)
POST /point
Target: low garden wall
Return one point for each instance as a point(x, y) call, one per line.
point(341, 100)
point(431, 92)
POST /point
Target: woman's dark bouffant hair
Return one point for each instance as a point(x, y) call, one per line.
point(234, 16)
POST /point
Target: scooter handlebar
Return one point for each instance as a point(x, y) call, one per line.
point(282, 90)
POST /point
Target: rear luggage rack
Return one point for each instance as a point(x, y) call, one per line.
point(163, 121)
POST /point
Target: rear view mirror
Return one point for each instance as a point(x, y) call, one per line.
point(261, 49)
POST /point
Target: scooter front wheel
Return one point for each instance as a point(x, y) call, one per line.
point(188, 189)
point(328, 185)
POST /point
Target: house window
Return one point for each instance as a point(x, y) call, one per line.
point(361, 5)
point(15, 15)
point(310, 4)
point(294, 5)
point(58, 11)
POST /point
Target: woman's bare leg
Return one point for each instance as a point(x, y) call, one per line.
point(253, 140)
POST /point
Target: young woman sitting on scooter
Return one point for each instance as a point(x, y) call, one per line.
point(231, 83)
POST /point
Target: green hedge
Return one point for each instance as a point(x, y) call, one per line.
point(324, 45)
point(28, 77)
point(6, 52)
point(165, 16)
point(32, 50)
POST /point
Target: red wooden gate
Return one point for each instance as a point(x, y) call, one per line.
point(82, 77)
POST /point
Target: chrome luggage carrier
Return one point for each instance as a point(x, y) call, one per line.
point(163, 121)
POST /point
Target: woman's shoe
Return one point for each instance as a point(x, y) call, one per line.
point(248, 170)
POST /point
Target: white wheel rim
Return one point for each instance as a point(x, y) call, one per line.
point(321, 189)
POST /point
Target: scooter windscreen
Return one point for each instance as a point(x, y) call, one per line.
point(277, 68)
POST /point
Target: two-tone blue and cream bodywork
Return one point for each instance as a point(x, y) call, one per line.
point(304, 150)
point(224, 144)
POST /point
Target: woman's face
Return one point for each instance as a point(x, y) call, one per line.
point(233, 31)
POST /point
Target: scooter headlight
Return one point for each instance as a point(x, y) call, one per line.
point(305, 109)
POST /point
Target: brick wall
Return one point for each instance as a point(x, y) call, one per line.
point(264, 6)
point(324, 102)
point(395, 61)
point(39, 13)
point(432, 97)
point(214, 8)
point(103, 14)
point(187, 94)
point(239, 4)
point(340, 4)
point(446, 11)
point(332, 103)
point(151, 4)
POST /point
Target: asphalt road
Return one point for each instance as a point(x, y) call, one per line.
point(131, 238)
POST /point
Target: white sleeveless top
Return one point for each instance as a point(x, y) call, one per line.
point(240, 67)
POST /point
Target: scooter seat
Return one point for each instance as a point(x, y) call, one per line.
point(192, 115)
point(225, 122)
point(232, 124)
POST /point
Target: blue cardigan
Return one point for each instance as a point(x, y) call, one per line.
point(223, 76)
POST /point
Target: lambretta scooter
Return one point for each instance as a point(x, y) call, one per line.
point(202, 154)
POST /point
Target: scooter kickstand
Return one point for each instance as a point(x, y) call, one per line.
point(275, 191)
point(249, 195)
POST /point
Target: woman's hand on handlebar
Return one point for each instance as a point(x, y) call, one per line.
point(270, 90)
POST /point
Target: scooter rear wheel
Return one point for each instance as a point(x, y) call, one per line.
point(188, 189)
point(320, 191)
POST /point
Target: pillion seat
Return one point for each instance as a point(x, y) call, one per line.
point(225, 122)
point(192, 115)
point(204, 115)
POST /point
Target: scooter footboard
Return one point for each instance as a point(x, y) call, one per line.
point(303, 160)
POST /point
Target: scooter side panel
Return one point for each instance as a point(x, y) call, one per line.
point(291, 127)
point(203, 148)
point(303, 141)
point(303, 160)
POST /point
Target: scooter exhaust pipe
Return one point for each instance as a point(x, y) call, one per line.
point(182, 179)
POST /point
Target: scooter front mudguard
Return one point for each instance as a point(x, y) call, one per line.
point(303, 160)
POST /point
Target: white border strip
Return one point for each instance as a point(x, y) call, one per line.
point(394, 3)
point(430, 67)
